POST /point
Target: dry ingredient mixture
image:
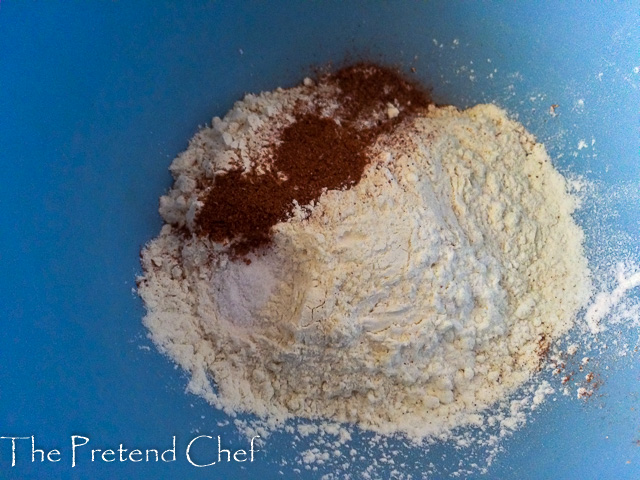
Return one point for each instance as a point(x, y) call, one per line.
point(346, 250)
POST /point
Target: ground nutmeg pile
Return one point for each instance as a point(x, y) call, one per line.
point(314, 153)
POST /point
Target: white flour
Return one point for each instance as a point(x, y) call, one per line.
point(409, 303)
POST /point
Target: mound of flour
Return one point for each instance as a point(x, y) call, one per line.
point(408, 303)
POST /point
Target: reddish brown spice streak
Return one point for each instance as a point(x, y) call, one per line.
point(315, 153)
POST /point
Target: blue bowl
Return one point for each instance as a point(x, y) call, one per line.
point(97, 98)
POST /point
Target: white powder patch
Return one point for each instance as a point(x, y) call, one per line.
point(606, 301)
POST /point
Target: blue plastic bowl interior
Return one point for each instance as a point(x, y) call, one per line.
point(97, 98)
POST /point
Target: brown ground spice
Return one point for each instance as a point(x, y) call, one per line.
point(315, 154)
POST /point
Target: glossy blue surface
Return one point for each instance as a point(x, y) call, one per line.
point(96, 99)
